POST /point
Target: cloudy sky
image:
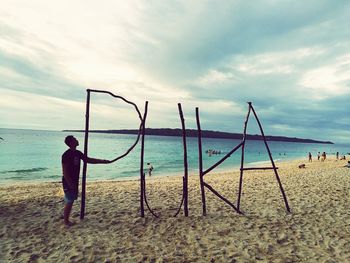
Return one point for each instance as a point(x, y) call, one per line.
point(290, 58)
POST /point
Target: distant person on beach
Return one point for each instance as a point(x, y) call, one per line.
point(71, 170)
point(310, 157)
point(318, 156)
point(150, 169)
point(323, 156)
point(337, 155)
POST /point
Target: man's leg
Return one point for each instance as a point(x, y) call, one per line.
point(67, 210)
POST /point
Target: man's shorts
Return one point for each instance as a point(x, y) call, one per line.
point(70, 196)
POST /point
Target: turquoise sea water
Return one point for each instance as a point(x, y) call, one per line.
point(33, 155)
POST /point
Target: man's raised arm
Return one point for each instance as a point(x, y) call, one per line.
point(93, 160)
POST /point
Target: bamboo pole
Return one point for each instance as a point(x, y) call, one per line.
point(270, 155)
point(83, 185)
point(200, 161)
point(242, 159)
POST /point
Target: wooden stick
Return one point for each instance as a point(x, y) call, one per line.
point(142, 175)
point(145, 198)
point(270, 155)
point(139, 115)
point(119, 97)
point(259, 168)
point(221, 197)
point(83, 185)
point(183, 197)
point(242, 159)
point(185, 178)
point(82, 210)
point(130, 148)
point(223, 159)
point(185, 190)
point(200, 161)
point(144, 195)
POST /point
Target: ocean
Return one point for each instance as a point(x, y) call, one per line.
point(35, 155)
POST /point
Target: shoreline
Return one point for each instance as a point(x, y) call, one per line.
point(232, 168)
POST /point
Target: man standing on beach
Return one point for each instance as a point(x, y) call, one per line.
point(71, 170)
point(150, 168)
point(310, 157)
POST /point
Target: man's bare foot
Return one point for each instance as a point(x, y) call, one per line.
point(69, 223)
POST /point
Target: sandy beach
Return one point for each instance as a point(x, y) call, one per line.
point(316, 230)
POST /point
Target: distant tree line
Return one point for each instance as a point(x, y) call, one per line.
point(205, 134)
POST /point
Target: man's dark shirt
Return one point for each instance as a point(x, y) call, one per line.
point(71, 160)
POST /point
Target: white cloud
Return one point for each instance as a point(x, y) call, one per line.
point(212, 55)
point(239, 67)
point(37, 111)
point(329, 80)
point(285, 62)
point(46, 112)
point(89, 45)
point(283, 127)
point(10, 73)
point(215, 77)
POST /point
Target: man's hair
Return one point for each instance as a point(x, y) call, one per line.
point(68, 140)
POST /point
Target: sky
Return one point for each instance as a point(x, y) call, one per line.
point(291, 59)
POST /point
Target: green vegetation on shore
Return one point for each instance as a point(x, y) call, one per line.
point(205, 134)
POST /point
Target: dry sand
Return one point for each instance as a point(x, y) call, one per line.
point(317, 230)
